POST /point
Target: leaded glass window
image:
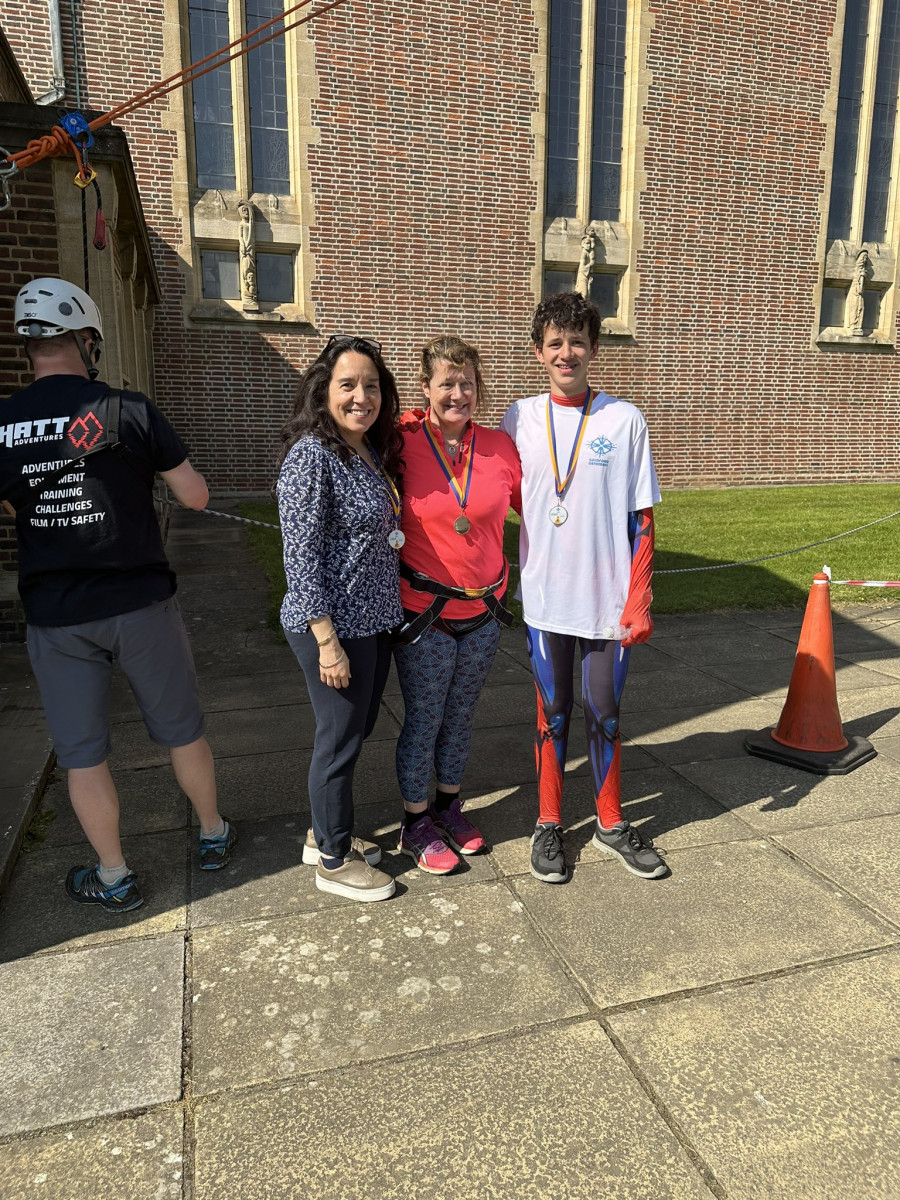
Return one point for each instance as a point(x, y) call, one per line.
point(267, 80)
point(609, 103)
point(585, 114)
point(563, 123)
point(213, 109)
point(256, 124)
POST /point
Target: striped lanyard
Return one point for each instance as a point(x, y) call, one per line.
point(461, 490)
point(562, 484)
point(383, 478)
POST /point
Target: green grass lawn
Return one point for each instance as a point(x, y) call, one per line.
point(704, 528)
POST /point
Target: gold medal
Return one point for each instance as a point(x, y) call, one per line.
point(462, 524)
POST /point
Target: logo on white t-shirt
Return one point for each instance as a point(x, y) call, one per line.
point(601, 447)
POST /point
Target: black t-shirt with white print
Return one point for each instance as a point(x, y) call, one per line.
point(90, 547)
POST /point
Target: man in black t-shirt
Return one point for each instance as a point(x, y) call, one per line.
point(77, 466)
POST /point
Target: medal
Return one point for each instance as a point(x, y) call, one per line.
point(558, 514)
point(396, 539)
point(462, 524)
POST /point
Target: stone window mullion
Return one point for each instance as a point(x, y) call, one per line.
point(240, 91)
point(586, 113)
point(867, 108)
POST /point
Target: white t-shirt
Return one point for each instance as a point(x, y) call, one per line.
point(575, 576)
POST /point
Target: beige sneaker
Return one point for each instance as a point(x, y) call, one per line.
point(370, 852)
point(354, 880)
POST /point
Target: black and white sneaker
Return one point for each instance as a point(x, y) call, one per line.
point(547, 860)
point(636, 853)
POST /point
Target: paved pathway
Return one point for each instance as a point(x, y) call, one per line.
point(731, 1031)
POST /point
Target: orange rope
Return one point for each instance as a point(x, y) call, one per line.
point(59, 142)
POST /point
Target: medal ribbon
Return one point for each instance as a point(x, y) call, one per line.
point(461, 489)
point(561, 485)
point(382, 476)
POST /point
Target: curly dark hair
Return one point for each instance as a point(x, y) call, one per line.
point(311, 415)
point(566, 311)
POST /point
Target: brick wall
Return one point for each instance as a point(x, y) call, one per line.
point(27, 249)
point(423, 189)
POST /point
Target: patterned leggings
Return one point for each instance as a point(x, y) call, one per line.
point(441, 678)
point(603, 669)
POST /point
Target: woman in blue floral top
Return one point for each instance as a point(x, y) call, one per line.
point(339, 506)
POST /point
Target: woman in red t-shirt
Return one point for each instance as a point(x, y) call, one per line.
point(459, 480)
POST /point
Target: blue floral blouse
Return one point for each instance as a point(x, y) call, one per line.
point(335, 521)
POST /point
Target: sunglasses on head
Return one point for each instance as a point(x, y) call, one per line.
point(353, 342)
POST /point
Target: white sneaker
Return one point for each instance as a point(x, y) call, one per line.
point(354, 879)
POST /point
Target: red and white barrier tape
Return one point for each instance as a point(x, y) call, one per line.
point(862, 583)
point(858, 582)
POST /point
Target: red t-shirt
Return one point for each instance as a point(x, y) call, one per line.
point(433, 547)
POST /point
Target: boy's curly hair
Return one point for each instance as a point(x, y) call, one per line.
point(565, 311)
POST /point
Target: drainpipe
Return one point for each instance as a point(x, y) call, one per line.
point(58, 90)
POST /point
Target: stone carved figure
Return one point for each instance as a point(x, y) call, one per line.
point(247, 258)
point(586, 265)
point(855, 298)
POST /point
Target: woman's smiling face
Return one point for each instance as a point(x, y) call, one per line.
point(354, 395)
point(452, 392)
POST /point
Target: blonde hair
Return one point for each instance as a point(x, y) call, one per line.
point(451, 349)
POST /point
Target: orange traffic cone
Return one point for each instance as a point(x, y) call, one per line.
point(809, 734)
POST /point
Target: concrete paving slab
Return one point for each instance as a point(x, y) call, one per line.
point(88, 1034)
point(241, 692)
point(317, 991)
point(857, 638)
point(888, 747)
point(726, 644)
point(665, 808)
point(150, 801)
point(238, 732)
point(726, 912)
point(773, 678)
point(885, 662)
point(783, 619)
point(139, 1157)
point(38, 887)
point(675, 688)
point(267, 877)
point(488, 1132)
point(787, 1088)
point(853, 856)
point(872, 712)
point(772, 798)
point(669, 625)
point(692, 733)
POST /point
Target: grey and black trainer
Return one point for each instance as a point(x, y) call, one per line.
point(548, 862)
point(636, 853)
point(84, 885)
point(216, 851)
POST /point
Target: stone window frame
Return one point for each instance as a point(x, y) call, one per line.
point(616, 243)
point(842, 258)
point(210, 217)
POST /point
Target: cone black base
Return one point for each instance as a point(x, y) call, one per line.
point(838, 762)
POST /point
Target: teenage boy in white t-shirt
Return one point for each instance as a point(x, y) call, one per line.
point(586, 559)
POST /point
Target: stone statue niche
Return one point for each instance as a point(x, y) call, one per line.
point(853, 321)
point(586, 263)
point(247, 258)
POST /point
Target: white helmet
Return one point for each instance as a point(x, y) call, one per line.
point(48, 307)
